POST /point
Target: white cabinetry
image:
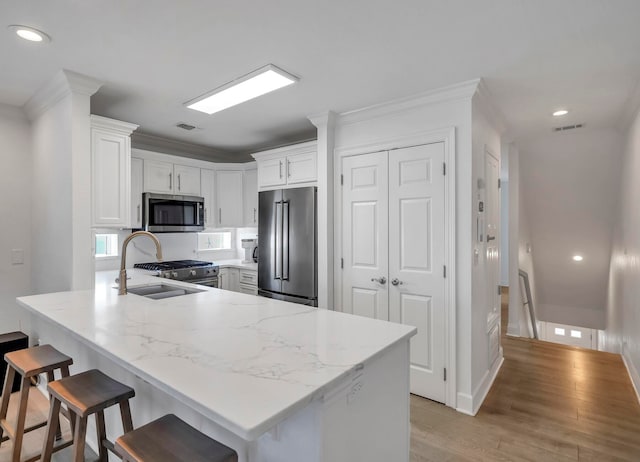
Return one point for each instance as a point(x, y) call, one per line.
point(248, 281)
point(110, 172)
point(290, 166)
point(136, 192)
point(167, 178)
point(228, 196)
point(207, 185)
point(229, 279)
point(251, 197)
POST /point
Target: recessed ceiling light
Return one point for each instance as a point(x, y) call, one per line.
point(30, 34)
point(578, 258)
point(252, 85)
point(561, 112)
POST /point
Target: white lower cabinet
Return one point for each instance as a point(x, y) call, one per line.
point(238, 280)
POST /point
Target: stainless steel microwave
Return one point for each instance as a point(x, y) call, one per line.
point(166, 213)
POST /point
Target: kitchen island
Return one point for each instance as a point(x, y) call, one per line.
point(275, 381)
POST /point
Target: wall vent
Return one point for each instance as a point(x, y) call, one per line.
point(567, 127)
point(184, 126)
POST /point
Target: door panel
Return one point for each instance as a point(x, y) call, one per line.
point(267, 279)
point(365, 235)
point(299, 247)
point(416, 259)
point(492, 223)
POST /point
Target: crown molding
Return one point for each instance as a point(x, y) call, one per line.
point(323, 119)
point(148, 142)
point(463, 90)
point(63, 83)
point(125, 128)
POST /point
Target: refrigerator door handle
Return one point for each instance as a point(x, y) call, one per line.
point(285, 241)
point(277, 261)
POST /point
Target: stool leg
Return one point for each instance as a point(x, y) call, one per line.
point(72, 416)
point(50, 378)
point(22, 416)
point(102, 435)
point(79, 439)
point(53, 424)
point(125, 413)
point(6, 394)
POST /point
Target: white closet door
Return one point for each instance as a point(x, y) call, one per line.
point(365, 235)
point(492, 220)
point(416, 260)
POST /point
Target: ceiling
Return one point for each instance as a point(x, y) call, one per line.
point(154, 55)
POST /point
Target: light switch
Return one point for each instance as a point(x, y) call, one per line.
point(17, 256)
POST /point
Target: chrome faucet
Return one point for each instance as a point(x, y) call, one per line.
point(122, 280)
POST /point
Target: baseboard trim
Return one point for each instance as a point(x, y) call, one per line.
point(632, 371)
point(470, 404)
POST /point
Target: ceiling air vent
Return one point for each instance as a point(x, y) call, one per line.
point(567, 127)
point(184, 126)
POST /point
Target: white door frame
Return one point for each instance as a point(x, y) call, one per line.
point(446, 136)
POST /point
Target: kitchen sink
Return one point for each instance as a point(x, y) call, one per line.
point(159, 291)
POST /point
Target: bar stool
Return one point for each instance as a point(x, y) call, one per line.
point(87, 393)
point(28, 363)
point(170, 439)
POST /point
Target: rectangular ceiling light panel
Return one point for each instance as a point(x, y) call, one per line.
point(259, 82)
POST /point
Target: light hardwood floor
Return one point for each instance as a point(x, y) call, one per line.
point(549, 403)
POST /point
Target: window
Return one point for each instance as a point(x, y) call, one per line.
point(559, 331)
point(214, 241)
point(576, 333)
point(106, 245)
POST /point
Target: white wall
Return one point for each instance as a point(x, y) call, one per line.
point(623, 310)
point(15, 209)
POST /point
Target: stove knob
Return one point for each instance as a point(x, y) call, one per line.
point(174, 274)
point(192, 272)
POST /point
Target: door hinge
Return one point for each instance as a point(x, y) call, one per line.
point(499, 183)
point(342, 263)
point(444, 168)
point(445, 374)
point(341, 180)
point(444, 271)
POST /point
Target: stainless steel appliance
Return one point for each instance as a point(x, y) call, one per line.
point(287, 245)
point(166, 213)
point(204, 273)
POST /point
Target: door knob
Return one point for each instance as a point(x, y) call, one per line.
point(490, 238)
point(381, 280)
point(396, 282)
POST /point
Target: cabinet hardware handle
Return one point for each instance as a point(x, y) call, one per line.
point(179, 182)
point(396, 282)
point(254, 214)
point(205, 214)
point(288, 169)
point(381, 280)
point(139, 217)
point(220, 216)
point(280, 169)
point(170, 181)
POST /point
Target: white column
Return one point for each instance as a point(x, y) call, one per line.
point(325, 123)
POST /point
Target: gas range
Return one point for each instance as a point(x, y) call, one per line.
point(194, 271)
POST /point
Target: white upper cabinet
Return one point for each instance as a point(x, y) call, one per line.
point(136, 193)
point(167, 178)
point(207, 183)
point(251, 197)
point(291, 166)
point(228, 192)
point(111, 172)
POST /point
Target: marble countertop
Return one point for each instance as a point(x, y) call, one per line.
point(243, 361)
point(237, 263)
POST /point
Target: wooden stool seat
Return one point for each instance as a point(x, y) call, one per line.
point(28, 363)
point(170, 439)
point(87, 393)
point(37, 360)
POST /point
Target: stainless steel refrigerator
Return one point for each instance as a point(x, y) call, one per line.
point(287, 245)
